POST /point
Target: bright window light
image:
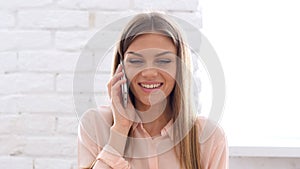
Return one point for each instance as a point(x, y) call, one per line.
point(258, 43)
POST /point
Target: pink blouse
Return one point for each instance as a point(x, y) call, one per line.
point(152, 153)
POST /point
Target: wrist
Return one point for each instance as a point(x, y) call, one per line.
point(120, 130)
point(117, 140)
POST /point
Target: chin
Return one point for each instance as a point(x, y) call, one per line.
point(157, 100)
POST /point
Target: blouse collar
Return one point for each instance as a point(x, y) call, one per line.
point(165, 131)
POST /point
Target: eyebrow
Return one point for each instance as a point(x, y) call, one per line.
point(159, 54)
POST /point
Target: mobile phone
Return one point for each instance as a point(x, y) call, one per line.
point(124, 87)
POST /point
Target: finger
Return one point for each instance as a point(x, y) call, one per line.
point(116, 88)
point(116, 78)
point(116, 98)
point(117, 85)
point(116, 72)
point(113, 80)
point(118, 75)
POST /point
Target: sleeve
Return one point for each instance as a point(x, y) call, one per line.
point(112, 158)
point(219, 158)
point(92, 156)
point(214, 148)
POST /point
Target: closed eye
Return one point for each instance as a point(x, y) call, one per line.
point(163, 61)
point(135, 61)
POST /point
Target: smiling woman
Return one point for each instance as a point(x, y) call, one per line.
point(150, 65)
point(158, 127)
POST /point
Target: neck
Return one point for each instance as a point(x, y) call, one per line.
point(155, 117)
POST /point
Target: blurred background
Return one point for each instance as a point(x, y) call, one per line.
point(41, 40)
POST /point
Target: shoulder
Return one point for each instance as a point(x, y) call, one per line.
point(213, 144)
point(92, 115)
point(209, 131)
point(95, 123)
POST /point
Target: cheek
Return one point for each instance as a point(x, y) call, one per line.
point(170, 70)
point(169, 73)
point(173, 72)
point(170, 78)
point(130, 74)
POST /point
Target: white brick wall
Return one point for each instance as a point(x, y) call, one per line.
point(19, 4)
point(78, 39)
point(24, 40)
point(174, 5)
point(95, 4)
point(65, 83)
point(8, 61)
point(40, 43)
point(53, 19)
point(43, 163)
point(7, 19)
point(50, 61)
point(23, 83)
point(16, 162)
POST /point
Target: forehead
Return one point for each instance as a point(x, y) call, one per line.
point(152, 41)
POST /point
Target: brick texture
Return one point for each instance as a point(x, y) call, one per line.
point(7, 19)
point(53, 19)
point(42, 43)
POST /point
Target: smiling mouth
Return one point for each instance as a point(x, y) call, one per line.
point(150, 86)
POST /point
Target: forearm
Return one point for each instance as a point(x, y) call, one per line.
point(118, 138)
point(112, 154)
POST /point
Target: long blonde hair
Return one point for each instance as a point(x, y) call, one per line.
point(184, 115)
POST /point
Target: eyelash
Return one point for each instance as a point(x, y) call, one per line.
point(135, 61)
point(164, 61)
point(159, 61)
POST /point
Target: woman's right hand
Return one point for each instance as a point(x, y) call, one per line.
point(123, 117)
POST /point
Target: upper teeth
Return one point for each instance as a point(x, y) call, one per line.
point(150, 86)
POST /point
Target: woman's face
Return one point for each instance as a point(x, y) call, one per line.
point(150, 66)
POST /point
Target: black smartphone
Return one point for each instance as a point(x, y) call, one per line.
point(124, 87)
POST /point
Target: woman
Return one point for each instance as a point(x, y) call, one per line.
point(158, 127)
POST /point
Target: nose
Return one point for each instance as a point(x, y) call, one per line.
point(149, 73)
